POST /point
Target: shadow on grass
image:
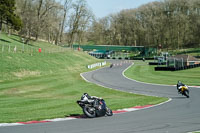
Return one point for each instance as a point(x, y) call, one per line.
point(16, 40)
point(5, 41)
point(21, 42)
point(80, 116)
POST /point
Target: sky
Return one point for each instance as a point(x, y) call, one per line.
point(102, 8)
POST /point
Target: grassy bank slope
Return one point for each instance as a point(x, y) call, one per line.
point(42, 86)
point(141, 71)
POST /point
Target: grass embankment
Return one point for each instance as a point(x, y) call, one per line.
point(189, 51)
point(141, 71)
point(43, 86)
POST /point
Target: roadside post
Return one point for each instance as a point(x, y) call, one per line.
point(39, 50)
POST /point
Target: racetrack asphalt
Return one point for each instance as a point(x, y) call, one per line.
point(180, 115)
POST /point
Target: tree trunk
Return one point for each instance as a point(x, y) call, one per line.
point(36, 36)
point(0, 29)
point(62, 26)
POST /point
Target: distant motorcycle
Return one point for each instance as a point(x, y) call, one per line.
point(111, 65)
point(94, 108)
point(184, 91)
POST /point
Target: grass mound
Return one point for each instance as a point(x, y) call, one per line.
point(38, 86)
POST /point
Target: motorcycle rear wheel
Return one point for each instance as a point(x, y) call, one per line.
point(89, 112)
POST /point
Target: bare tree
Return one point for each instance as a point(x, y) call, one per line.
point(66, 7)
point(42, 10)
point(80, 12)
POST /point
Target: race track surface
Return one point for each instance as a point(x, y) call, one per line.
point(180, 115)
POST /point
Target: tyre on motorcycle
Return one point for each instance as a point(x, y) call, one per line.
point(186, 93)
point(111, 65)
point(89, 112)
point(109, 112)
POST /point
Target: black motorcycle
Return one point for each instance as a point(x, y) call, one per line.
point(95, 108)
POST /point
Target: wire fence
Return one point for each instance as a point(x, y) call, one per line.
point(26, 57)
point(176, 63)
point(28, 49)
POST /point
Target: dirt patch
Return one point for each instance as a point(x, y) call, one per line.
point(25, 73)
point(11, 91)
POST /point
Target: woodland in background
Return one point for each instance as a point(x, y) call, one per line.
point(53, 21)
point(168, 24)
point(172, 24)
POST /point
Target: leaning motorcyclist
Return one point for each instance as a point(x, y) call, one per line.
point(179, 86)
point(90, 99)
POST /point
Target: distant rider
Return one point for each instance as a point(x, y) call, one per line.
point(179, 86)
point(111, 65)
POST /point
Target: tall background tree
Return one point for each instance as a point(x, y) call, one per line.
point(66, 7)
point(78, 21)
point(8, 16)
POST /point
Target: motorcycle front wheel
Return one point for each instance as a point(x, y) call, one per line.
point(186, 93)
point(109, 112)
point(89, 112)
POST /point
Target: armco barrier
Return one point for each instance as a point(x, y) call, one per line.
point(96, 65)
point(176, 68)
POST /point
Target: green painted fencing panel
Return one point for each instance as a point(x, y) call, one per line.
point(145, 51)
point(108, 47)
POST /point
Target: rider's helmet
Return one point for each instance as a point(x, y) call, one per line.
point(179, 82)
point(85, 96)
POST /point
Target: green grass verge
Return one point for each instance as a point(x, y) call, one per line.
point(189, 51)
point(43, 86)
point(141, 71)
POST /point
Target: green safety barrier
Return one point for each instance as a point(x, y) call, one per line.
point(144, 51)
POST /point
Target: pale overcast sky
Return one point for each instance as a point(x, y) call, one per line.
point(102, 8)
